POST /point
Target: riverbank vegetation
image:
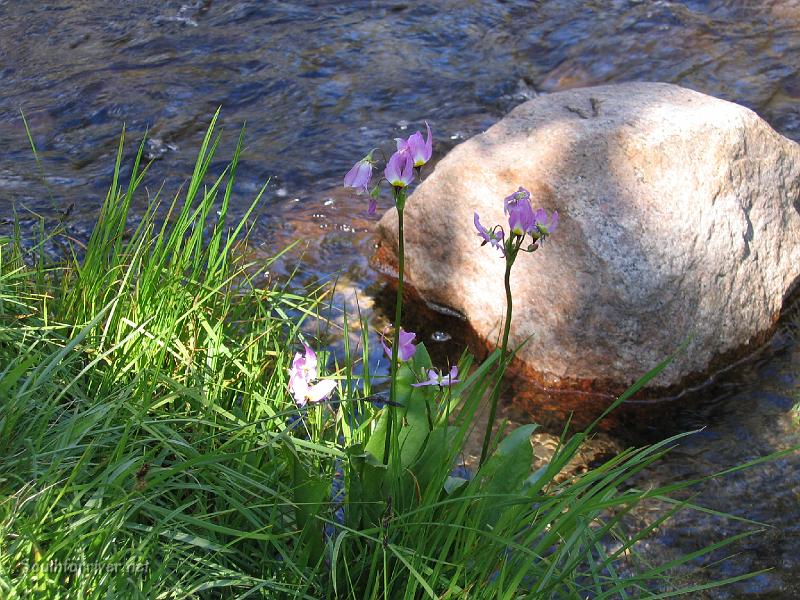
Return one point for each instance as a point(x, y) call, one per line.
point(153, 443)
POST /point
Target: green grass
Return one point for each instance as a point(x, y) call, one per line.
point(148, 439)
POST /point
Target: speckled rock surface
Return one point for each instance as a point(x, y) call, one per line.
point(679, 216)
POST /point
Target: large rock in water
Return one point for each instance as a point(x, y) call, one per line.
point(679, 217)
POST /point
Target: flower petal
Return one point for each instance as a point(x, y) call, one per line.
point(321, 390)
point(386, 349)
point(433, 379)
point(299, 390)
point(428, 143)
point(310, 365)
point(359, 176)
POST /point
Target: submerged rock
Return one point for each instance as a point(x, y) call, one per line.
point(678, 219)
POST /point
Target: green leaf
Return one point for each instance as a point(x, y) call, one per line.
point(413, 412)
point(417, 412)
point(310, 494)
point(435, 462)
point(510, 464)
point(377, 438)
point(365, 487)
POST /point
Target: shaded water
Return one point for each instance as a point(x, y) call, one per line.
point(321, 83)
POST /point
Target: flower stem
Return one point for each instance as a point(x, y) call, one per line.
point(511, 254)
point(398, 313)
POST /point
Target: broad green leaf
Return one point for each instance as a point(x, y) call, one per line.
point(436, 459)
point(365, 491)
point(510, 464)
point(377, 439)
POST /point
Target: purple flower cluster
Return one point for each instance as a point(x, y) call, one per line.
point(522, 221)
point(302, 374)
point(411, 154)
point(406, 350)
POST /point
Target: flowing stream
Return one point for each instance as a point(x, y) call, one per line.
point(319, 84)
